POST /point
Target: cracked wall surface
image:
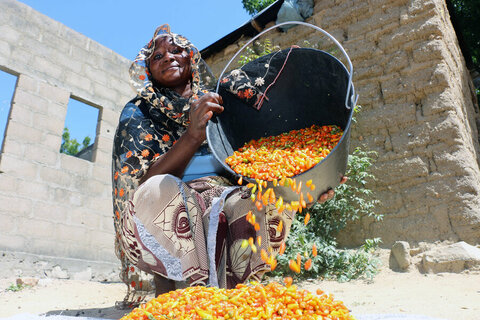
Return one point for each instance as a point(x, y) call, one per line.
point(418, 114)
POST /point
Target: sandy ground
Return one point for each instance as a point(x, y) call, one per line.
point(446, 296)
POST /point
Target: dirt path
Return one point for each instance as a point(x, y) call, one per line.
point(448, 295)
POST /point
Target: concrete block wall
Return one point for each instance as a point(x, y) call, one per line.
point(419, 111)
point(52, 204)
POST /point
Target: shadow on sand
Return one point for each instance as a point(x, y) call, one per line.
point(100, 313)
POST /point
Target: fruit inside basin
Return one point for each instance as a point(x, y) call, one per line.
point(313, 88)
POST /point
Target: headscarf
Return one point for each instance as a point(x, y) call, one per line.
point(165, 100)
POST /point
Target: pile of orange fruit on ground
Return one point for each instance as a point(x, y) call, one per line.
point(252, 301)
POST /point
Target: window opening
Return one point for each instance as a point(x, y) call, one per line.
point(80, 130)
point(7, 88)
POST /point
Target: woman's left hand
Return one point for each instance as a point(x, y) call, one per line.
point(330, 193)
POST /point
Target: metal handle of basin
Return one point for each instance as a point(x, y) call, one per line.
point(351, 89)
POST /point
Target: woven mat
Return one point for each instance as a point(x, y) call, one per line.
point(358, 317)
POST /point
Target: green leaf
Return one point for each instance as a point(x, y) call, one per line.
point(72, 146)
point(255, 6)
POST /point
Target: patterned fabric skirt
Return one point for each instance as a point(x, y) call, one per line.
point(193, 231)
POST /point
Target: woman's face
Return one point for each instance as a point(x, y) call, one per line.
point(170, 64)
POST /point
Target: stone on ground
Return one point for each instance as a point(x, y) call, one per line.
point(456, 258)
point(400, 258)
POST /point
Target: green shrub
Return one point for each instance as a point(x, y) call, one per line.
point(259, 49)
point(72, 146)
point(255, 6)
point(17, 287)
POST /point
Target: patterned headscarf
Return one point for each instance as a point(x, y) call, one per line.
point(163, 99)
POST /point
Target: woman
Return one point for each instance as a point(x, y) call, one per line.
point(180, 231)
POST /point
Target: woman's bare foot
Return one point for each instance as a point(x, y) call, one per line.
point(163, 285)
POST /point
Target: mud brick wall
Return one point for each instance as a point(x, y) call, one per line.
point(418, 114)
point(52, 204)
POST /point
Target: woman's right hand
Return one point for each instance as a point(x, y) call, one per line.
point(175, 160)
point(201, 111)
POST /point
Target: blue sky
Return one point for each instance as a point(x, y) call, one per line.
point(125, 26)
